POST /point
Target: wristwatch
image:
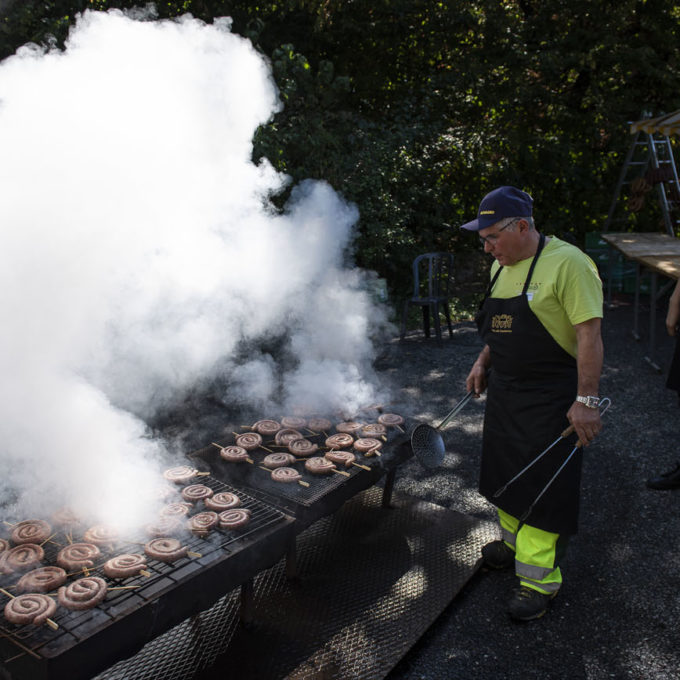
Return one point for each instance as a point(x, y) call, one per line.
point(590, 402)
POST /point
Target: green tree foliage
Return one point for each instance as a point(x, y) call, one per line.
point(414, 109)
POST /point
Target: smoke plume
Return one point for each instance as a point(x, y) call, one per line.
point(142, 260)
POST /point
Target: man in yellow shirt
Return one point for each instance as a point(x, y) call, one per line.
point(542, 359)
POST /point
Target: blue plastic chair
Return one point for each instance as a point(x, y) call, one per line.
point(432, 282)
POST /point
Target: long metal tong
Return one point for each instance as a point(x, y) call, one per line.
point(605, 403)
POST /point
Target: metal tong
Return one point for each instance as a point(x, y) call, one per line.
point(605, 403)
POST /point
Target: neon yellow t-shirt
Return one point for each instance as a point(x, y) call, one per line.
point(565, 289)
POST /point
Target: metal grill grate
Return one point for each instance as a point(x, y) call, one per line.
point(139, 591)
point(320, 486)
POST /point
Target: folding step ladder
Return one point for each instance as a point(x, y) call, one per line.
point(649, 163)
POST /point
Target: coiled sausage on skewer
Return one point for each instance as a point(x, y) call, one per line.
point(345, 458)
point(21, 558)
point(203, 522)
point(41, 580)
point(168, 525)
point(286, 436)
point(286, 475)
point(277, 460)
point(84, 593)
point(234, 519)
point(249, 441)
point(367, 445)
point(31, 531)
point(390, 419)
point(180, 474)
point(302, 447)
point(373, 430)
point(122, 566)
point(224, 500)
point(101, 534)
point(319, 424)
point(165, 549)
point(33, 608)
point(196, 492)
point(77, 556)
point(234, 454)
point(339, 441)
point(268, 428)
point(319, 466)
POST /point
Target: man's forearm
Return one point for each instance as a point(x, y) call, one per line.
point(590, 357)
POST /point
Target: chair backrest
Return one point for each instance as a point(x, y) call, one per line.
point(432, 275)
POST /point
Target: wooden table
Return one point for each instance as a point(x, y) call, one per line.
point(660, 254)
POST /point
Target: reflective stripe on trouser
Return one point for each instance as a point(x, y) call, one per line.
point(537, 553)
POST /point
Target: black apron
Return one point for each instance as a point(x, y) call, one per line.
point(531, 386)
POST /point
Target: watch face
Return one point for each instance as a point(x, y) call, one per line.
point(592, 402)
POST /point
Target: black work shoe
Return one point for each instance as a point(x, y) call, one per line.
point(527, 604)
point(667, 480)
point(498, 555)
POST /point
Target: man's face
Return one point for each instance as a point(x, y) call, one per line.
point(504, 240)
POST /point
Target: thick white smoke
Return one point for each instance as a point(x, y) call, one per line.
point(139, 254)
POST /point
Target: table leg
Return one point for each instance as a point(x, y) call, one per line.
point(426, 320)
point(610, 273)
point(636, 304)
point(652, 324)
point(389, 486)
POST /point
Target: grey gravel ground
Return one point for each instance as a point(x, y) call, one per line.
point(617, 613)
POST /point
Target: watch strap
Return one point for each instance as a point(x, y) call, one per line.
point(589, 401)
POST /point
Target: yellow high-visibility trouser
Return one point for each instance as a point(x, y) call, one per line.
point(537, 553)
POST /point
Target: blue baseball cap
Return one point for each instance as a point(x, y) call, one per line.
point(498, 204)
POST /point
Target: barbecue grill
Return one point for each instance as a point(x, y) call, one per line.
point(89, 641)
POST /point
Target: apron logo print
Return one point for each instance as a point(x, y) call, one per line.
point(501, 323)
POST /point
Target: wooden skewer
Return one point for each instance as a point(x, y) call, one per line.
point(372, 452)
point(340, 472)
point(18, 644)
point(48, 538)
point(194, 554)
point(123, 588)
point(363, 467)
point(202, 474)
point(9, 524)
point(400, 429)
point(52, 624)
point(144, 572)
